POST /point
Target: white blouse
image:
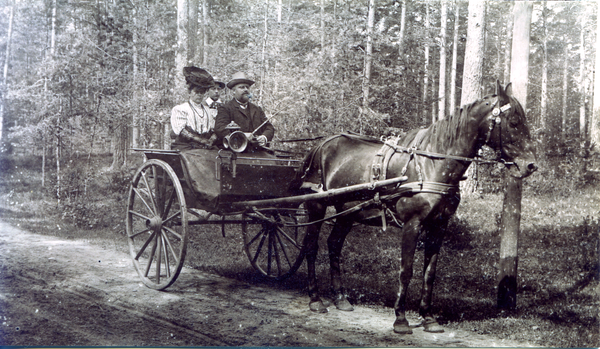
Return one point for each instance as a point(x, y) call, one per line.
point(198, 117)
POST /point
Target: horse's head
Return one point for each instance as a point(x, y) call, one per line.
point(507, 131)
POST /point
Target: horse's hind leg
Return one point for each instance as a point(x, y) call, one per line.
point(316, 211)
point(335, 242)
point(433, 241)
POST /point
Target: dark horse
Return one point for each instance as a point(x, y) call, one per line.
point(434, 160)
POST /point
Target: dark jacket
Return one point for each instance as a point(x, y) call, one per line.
point(248, 119)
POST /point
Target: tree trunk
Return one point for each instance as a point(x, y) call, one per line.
point(472, 73)
point(135, 118)
point(205, 33)
point(120, 141)
point(192, 31)
point(511, 210)
point(322, 24)
point(595, 121)
point(402, 30)
point(369, 54)
point(6, 63)
point(454, 59)
point(182, 42)
point(442, 82)
point(508, 47)
point(426, 70)
point(279, 10)
point(544, 93)
point(263, 60)
point(582, 118)
point(563, 128)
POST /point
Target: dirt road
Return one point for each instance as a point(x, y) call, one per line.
point(57, 292)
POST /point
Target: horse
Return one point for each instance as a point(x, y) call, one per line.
point(434, 159)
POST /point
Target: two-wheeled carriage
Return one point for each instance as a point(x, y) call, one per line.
point(258, 191)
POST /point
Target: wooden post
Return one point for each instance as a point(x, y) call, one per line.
point(511, 211)
point(509, 258)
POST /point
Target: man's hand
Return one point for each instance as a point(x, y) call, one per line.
point(262, 140)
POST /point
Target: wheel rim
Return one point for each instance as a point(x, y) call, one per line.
point(274, 249)
point(156, 224)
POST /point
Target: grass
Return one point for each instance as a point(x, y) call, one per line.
point(558, 299)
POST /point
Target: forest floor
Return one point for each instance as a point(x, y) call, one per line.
point(67, 292)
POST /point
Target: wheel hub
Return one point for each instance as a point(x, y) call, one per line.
point(154, 223)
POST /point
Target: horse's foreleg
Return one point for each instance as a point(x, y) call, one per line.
point(335, 242)
point(433, 242)
point(316, 212)
point(410, 233)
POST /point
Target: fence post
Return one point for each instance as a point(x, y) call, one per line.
point(509, 229)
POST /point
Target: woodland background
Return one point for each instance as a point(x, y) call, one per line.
point(86, 77)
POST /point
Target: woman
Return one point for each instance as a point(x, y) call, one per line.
point(193, 122)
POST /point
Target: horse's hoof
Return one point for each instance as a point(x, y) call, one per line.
point(430, 325)
point(343, 304)
point(326, 302)
point(317, 307)
point(401, 327)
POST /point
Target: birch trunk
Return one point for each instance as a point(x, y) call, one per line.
point(582, 118)
point(454, 59)
point(263, 59)
point(563, 128)
point(182, 49)
point(472, 73)
point(426, 69)
point(544, 93)
point(595, 120)
point(192, 32)
point(442, 82)
point(369, 54)
point(6, 62)
point(508, 47)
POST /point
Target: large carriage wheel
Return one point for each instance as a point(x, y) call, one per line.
point(274, 249)
point(156, 224)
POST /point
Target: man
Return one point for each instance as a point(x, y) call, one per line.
point(193, 122)
point(245, 114)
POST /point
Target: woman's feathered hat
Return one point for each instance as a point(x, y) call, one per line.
point(199, 77)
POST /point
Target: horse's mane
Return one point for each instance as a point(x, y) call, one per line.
point(444, 133)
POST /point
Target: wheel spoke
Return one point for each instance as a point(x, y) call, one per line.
point(136, 190)
point(158, 257)
point(254, 238)
point(289, 238)
point(172, 249)
point(141, 232)
point(283, 248)
point(262, 240)
point(166, 252)
point(151, 255)
point(143, 248)
point(139, 215)
point(150, 194)
point(276, 250)
point(169, 203)
point(270, 254)
point(172, 216)
point(173, 232)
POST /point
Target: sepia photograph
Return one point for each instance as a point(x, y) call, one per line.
point(299, 173)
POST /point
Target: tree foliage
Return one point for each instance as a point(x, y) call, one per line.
point(113, 68)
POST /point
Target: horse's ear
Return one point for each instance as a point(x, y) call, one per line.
point(508, 89)
point(498, 87)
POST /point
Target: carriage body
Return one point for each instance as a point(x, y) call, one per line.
point(228, 177)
